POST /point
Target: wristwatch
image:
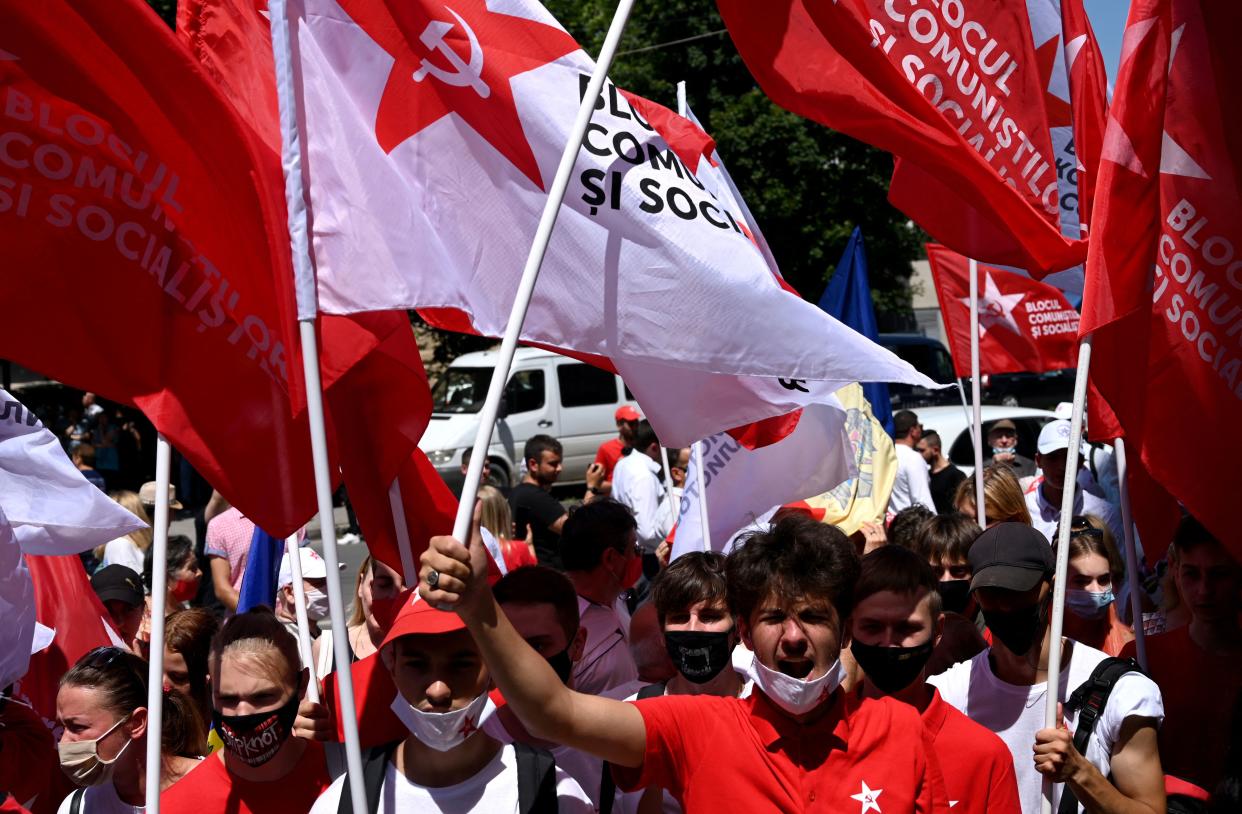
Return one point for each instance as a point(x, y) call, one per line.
point(594, 491)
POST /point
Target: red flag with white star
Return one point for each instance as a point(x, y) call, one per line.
point(1024, 325)
point(1162, 298)
point(953, 90)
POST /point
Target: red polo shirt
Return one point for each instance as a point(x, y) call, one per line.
point(729, 754)
point(978, 769)
point(608, 454)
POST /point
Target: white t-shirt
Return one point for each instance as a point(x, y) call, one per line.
point(493, 790)
point(123, 551)
point(100, 799)
point(913, 483)
point(1016, 713)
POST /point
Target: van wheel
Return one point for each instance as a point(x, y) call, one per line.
point(497, 474)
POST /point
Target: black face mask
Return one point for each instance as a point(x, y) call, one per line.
point(256, 738)
point(954, 594)
point(699, 655)
point(1018, 629)
point(891, 668)
point(562, 664)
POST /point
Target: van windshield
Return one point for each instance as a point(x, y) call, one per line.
point(461, 390)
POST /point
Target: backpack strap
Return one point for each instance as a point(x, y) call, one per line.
point(1089, 701)
point(536, 770)
point(75, 805)
point(374, 765)
point(608, 786)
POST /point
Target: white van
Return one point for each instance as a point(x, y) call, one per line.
point(547, 394)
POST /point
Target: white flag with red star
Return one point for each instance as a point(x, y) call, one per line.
point(432, 132)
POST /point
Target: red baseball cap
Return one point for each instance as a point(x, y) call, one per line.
point(627, 413)
point(418, 617)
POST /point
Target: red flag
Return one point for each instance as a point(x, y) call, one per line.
point(957, 97)
point(1024, 325)
point(1162, 297)
point(1089, 97)
point(144, 244)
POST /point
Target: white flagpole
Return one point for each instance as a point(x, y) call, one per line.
point(299, 599)
point(697, 455)
point(977, 429)
point(409, 571)
point(1063, 535)
point(521, 300)
point(1132, 553)
point(159, 601)
point(304, 286)
point(675, 502)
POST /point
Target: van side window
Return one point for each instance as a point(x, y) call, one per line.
point(525, 391)
point(583, 385)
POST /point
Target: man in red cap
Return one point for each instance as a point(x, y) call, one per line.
point(614, 449)
point(447, 763)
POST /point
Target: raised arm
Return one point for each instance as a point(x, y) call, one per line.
point(612, 730)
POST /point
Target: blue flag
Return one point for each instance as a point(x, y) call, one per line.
point(259, 581)
point(848, 298)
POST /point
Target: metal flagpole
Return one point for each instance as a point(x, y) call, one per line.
point(697, 455)
point(1063, 534)
point(1132, 553)
point(977, 429)
point(159, 602)
point(299, 599)
point(675, 502)
point(521, 300)
point(304, 286)
point(409, 571)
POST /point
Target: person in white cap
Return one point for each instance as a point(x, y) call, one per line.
point(1043, 498)
point(315, 583)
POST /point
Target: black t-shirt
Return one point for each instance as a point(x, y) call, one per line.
point(944, 487)
point(536, 508)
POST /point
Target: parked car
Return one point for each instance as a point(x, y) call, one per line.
point(1043, 390)
point(929, 357)
point(954, 428)
point(547, 394)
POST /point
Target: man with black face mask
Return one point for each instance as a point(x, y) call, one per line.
point(1004, 688)
point(897, 621)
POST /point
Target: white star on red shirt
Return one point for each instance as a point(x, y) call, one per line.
point(868, 797)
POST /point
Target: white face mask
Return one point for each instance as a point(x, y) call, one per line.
point(316, 605)
point(443, 731)
point(795, 696)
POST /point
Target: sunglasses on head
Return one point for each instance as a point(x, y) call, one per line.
point(1081, 527)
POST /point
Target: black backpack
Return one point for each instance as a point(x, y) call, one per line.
point(608, 786)
point(536, 770)
point(1089, 700)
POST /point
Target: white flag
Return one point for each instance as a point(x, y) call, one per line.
point(17, 608)
point(745, 485)
point(52, 508)
point(432, 133)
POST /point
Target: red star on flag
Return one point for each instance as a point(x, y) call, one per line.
point(457, 58)
point(1060, 114)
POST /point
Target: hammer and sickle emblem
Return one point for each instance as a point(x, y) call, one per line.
point(464, 74)
point(794, 384)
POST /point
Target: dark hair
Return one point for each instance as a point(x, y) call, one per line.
point(932, 438)
point(180, 548)
point(896, 569)
point(257, 633)
point(903, 422)
point(85, 453)
point(121, 677)
point(1191, 534)
point(539, 584)
point(796, 558)
point(644, 436)
point(536, 445)
point(946, 536)
point(693, 577)
point(906, 524)
point(590, 529)
point(189, 633)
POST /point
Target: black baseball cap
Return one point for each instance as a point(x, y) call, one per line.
point(1012, 556)
point(118, 582)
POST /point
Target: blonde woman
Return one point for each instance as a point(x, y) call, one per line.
point(496, 518)
point(1003, 501)
point(130, 550)
point(377, 587)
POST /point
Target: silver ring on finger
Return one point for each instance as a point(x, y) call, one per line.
point(433, 578)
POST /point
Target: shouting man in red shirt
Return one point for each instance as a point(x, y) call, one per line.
point(798, 743)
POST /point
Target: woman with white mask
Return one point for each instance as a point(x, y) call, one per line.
point(1095, 573)
point(102, 707)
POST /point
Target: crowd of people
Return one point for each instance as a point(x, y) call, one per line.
point(900, 669)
